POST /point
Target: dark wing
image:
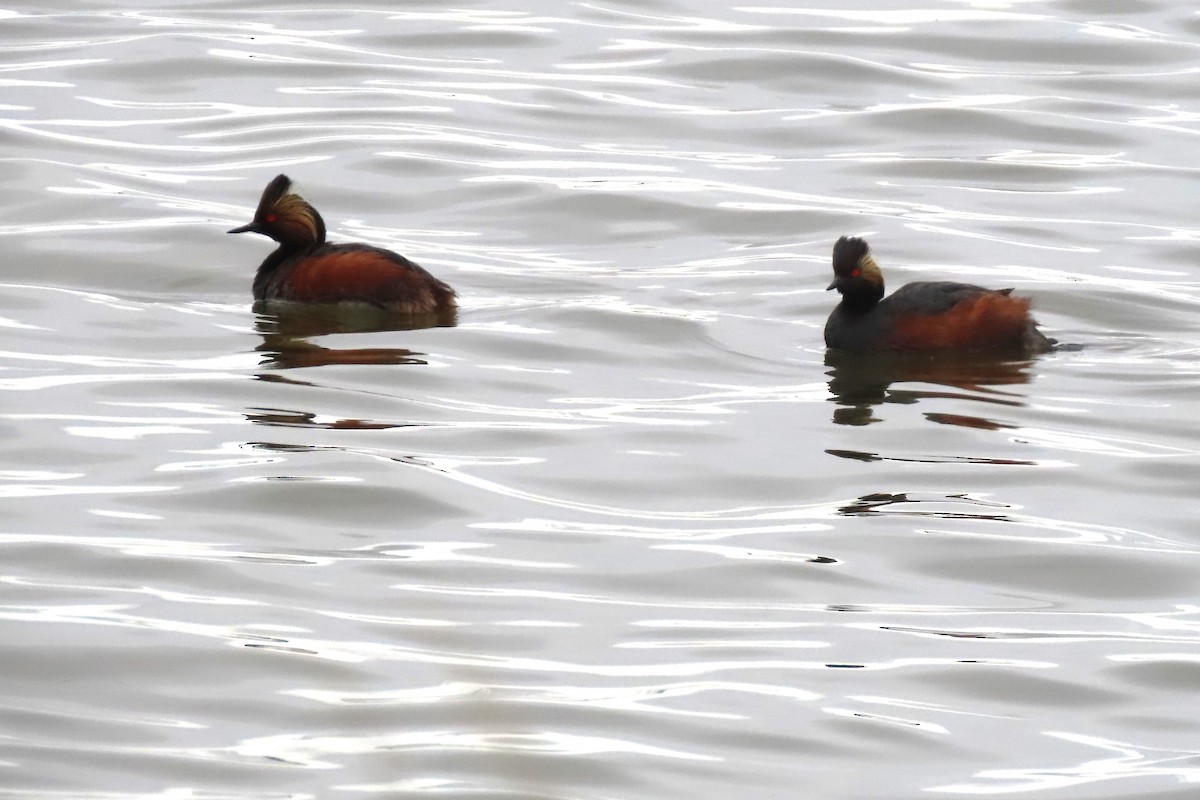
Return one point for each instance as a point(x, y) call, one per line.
point(930, 298)
point(944, 315)
point(362, 273)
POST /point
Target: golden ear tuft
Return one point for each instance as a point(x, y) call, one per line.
point(869, 269)
point(300, 220)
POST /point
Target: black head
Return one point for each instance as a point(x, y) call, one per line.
point(847, 252)
point(855, 273)
point(286, 217)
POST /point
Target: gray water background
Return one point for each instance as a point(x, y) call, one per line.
point(623, 532)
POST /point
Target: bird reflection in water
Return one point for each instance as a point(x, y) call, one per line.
point(286, 331)
point(950, 506)
point(304, 419)
point(859, 382)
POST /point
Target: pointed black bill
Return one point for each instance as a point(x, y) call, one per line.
point(249, 227)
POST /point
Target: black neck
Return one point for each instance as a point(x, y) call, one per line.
point(862, 297)
point(267, 270)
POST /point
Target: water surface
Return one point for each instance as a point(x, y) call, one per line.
point(626, 530)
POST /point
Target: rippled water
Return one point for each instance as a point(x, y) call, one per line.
point(626, 531)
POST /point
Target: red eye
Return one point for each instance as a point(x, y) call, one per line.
point(854, 273)
point(271, 218)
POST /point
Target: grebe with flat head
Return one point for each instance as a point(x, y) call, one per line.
point(922, 316)
point(307, 269)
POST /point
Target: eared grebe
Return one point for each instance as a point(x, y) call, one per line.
point(305, 269)
point(923, 316)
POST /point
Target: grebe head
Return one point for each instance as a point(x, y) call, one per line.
point(286, 217)
point(855, 273)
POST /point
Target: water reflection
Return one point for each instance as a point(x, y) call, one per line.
point(859, 382)
point(305, 419)
point(1110, 760)
point(286, 331)
point(879, 502)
